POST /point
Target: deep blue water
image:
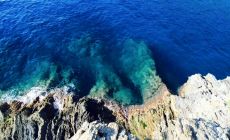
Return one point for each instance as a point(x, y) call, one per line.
point(185, 37)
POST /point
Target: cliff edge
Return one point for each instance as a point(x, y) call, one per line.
point(200, 111)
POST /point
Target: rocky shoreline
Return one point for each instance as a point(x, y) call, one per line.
point(200, 111)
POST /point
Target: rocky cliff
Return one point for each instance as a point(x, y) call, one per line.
point(200, 111)
point(59, 116)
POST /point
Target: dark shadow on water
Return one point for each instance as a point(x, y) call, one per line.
point(167, 70)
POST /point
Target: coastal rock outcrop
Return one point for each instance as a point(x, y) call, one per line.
point(44, 120)
point(200, 111)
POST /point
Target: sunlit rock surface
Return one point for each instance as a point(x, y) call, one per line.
point(96, 130)
point(201, 111)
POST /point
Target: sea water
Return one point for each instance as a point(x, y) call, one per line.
point(116, 48)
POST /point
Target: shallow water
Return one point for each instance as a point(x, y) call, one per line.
point(185, 37)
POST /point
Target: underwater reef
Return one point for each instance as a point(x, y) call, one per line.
point(200, 111)
point(125, 72)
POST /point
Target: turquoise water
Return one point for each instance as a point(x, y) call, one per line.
point(111, 48)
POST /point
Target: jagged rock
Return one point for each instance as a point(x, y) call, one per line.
point(97, 131)
point(44, 121)
point(201, 111)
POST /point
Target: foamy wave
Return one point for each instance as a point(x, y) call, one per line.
point(35, 92)
point(40, 93)
point(27, 97)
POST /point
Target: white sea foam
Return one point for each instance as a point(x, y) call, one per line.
point(58, 103)
point(41, 93)
point(34, 92)
point(28, 97)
